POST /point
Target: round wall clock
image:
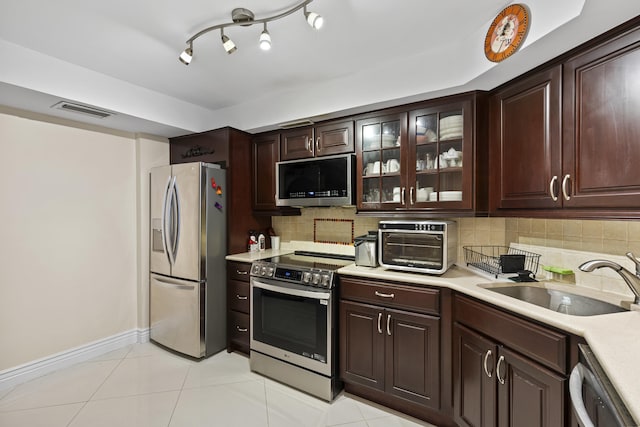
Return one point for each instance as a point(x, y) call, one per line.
point(507, 32)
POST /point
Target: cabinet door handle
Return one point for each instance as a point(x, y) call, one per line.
point(318, 144)
point(403, 191)
point(552, 185)
point(388, 324)
point(486, 357)
point(411, 191)
point(309, 145)
point(501, 380)
point(379, 325)
point(241, 273)
point(239, 329)
point(380, 294)
point(241, 297)
point(565, 191)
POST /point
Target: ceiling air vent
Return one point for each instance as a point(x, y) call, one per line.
point(295, 124)
point(82, 109)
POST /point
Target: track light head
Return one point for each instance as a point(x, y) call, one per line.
point(187, 55)
point(265, 39)
point(314, 20)
point(227, 43)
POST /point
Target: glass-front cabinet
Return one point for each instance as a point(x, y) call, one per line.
point(422, 159)
point(440, 144)
point(381, 146)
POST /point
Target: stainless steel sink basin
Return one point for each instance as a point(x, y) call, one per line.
point(556, 300)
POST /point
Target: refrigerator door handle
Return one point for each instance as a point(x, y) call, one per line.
point(178, 219)
point(165, 200)
point(169, 222)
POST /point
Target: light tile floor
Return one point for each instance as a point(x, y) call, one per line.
point(145, 386)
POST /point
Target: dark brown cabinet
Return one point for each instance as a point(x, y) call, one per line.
point(431, 158)
point(507, 371)
point(231, 149)
point(265, 154)
point(526, 142)
point(565, 140)
point(390, 340)
point(335, 137)
point(238, 305)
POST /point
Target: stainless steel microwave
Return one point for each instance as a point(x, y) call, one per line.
point(420, 246)
point(322, 181)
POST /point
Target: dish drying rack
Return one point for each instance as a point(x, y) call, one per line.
point(488, 258)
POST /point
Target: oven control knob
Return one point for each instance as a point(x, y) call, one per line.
point(263, 272)
point(270, 271)
point(255, 269)
point(306, 277)
point(316, 279)
point(325, 281)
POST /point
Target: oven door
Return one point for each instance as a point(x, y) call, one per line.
point(292, 323)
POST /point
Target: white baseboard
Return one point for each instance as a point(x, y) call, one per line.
point(28, 371)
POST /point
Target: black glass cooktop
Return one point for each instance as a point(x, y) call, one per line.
point(312, 260)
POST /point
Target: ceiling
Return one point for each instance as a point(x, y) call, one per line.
point(122, 56)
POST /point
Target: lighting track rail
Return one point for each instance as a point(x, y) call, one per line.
point(245, 18)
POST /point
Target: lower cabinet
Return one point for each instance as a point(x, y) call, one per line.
point(507, 371)
point(238, 306)
point(390, 344)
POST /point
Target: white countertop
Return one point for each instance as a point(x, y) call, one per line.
point(613, 338)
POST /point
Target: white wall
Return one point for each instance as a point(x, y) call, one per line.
point(70, 233)
point(150, 153)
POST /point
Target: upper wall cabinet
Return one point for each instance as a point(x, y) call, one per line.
point(430, 159)
point(565, 142)
point(325, 139)
point(265, 150)
point(525, 142)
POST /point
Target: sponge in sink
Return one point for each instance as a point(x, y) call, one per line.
point(558, 270)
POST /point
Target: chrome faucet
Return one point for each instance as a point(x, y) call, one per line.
point(632, 280)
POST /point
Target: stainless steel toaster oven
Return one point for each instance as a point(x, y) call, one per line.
point(420, 246)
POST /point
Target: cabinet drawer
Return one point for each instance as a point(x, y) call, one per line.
point(238, 328)
point(238, 296)
point(238, 270)
point(424, 300)
point(544, 345)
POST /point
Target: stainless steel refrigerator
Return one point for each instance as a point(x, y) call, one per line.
point(187, 280)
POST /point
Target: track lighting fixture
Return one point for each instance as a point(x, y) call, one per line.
point(227, 43)
point(265, 39)
point(187, 55)
point(313, 19)
point(244, 17)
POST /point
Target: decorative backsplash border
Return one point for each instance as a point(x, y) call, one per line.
point(330, 230)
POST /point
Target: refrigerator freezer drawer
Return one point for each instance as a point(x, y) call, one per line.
point(175, 314)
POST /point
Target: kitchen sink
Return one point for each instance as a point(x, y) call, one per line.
point(556, 300)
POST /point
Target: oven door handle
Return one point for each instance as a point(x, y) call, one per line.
point(289, 291)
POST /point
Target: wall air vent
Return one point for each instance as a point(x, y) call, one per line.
point(295, 124)
point(82, 109)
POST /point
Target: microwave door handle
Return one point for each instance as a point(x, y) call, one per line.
point(576, 380)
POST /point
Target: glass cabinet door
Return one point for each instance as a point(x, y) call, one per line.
point(440, 141)
point(381, 141)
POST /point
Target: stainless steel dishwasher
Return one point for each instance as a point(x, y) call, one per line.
point(594, 399)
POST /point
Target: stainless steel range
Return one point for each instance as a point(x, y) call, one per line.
point(293, 321)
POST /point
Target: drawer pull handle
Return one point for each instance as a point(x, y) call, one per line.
point(388, 322)
point(380, 294)
point(241, 329)
point(242, 273)
point(241, 297)
point(379, 326)
point(501, 380)
point(486, 357)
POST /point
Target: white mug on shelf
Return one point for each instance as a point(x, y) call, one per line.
point(396, 194)
point(393, 165)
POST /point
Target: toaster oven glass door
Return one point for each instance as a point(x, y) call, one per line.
point(419, 250)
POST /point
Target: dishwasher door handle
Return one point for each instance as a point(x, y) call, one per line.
point(575, 391)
